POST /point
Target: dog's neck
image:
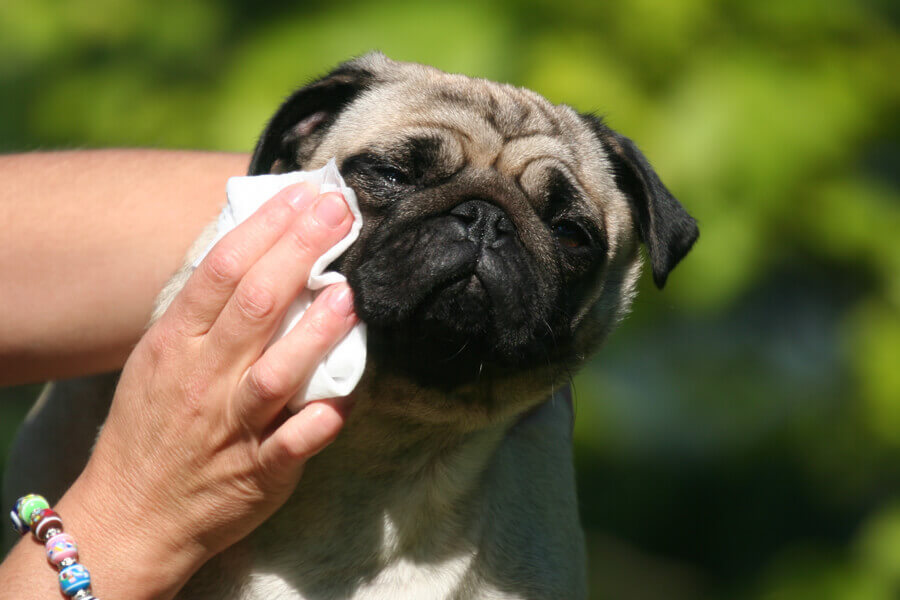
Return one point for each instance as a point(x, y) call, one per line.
point(397, 479)
point(400, 430)
point(440, 463)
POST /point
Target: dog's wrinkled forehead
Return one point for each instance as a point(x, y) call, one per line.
point(480, 124)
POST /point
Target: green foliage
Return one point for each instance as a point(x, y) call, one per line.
point(740, 435)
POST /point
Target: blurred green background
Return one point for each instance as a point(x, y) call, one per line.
point(739, 436)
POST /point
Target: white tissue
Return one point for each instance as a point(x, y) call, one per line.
point(341, 370)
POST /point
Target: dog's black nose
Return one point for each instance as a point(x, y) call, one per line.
point(486, 223)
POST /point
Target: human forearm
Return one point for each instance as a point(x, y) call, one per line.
point(89, 239)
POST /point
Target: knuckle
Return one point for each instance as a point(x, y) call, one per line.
point(295, 446)
point(272, 220)
point(265, 382)
point(222, 265)
point(301, 241)
point(193, 398)
point(318, 330)
point(314, 236)
point(254, 301)
point(160, 342)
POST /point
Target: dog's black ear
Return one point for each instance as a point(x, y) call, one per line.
point(666, 228)
point(299, 125)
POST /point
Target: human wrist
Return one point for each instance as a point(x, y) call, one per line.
point(130, 554)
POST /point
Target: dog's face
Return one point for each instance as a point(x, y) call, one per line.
point(501, 231)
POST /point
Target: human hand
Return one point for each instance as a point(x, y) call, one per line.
point(198, 449)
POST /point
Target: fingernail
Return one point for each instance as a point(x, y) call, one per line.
point(342, 302)
point(302, 195)
point(331, 210)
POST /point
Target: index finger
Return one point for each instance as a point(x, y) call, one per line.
point(214, 280)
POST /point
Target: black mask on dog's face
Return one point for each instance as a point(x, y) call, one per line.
point(500, 231)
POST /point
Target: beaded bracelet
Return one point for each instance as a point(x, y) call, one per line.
point(32, 512)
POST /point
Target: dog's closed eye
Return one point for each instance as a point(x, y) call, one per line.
point(392, 175)
point(570, 235)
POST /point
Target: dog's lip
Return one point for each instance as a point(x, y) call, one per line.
point(471, 278)
point(468, 283)
point(474, 283)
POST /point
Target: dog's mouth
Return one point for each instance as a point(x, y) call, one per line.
point(444, 305)
point(457, 312)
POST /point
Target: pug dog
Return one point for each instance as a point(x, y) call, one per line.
point(500, 247)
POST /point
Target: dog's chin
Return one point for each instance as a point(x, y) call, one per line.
point(457, 336)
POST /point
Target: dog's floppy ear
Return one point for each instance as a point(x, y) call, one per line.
point(298, 126)
point(666, 228)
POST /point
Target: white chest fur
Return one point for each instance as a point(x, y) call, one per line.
point(402, 580)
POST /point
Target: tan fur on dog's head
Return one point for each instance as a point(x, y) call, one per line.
point(462, 328)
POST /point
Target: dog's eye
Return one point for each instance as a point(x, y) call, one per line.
point(570, 235)
point(392, 175)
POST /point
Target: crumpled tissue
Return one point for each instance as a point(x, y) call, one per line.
point(341, 370)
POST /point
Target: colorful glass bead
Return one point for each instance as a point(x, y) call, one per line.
point(61, 547)
point(45, 520)
point(29, 504)
point(18, 524)
point(73, 579)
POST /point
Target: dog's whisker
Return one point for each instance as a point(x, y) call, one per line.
point(458, 352)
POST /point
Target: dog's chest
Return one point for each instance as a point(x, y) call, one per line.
point(355, 562)
point(402, 580)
